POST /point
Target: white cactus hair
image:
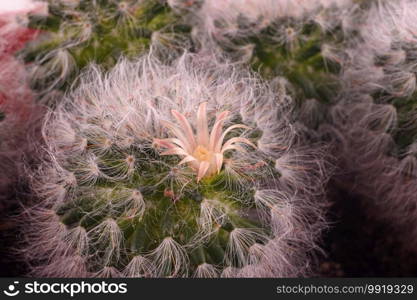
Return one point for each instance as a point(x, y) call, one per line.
point(57, 64)
point(19, 119)
point(382, 56)
point(371, 167)
point(375, 114)
point(218, 21)
point(139, 266)
point(206, 270)
point(131, 103)
point(55, 55)
point(56, 245)
point(20, 114)
point(169, 258)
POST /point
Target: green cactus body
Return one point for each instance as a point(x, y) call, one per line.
point(299, 59)
point(149, 205)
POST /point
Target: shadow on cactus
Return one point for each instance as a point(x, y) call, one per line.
point(170, 171)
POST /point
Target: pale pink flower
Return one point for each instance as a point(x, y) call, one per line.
point(204, 152)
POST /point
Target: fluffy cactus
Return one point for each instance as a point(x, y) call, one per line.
point(80, 32)
point(19, 120)
point(18, 112)
point(191, 169)
point(381, 63)
point(292, 39)
point(374, 125)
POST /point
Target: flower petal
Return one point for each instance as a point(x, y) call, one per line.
point(185, 125)
point(219, 161)
point(177, 142)
point(163, 143)
point(232, 147)
point(175, 151)
point(202, 125)
point(217, 129)
point(180, 135)
point(219, 142)
point(187, 159)
point(235, 140)
point(202, 170)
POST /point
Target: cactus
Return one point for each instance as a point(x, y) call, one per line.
point(296, 40)
point(374, 126)
point(19, 119)
point(80, 32)
point(189, 169)
point(382, 64)
point(18, 112)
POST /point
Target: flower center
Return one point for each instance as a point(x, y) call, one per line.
point(201, 153)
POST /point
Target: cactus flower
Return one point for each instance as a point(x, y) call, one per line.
point(204, 152)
